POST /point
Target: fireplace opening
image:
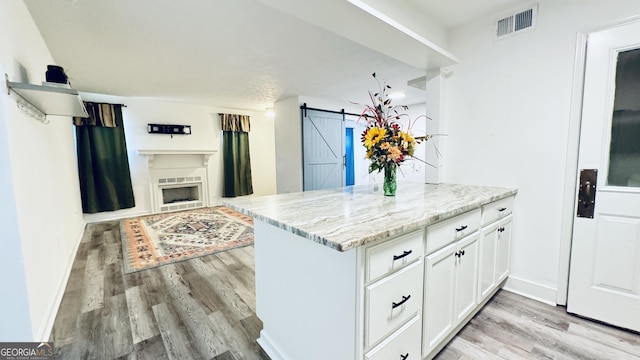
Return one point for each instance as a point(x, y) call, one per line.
point(180, 194)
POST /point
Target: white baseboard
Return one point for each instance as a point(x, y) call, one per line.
point(269, 347)
point(44, 332)
point(531, 290)
point(113, 215)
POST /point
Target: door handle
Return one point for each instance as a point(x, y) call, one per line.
point(587, 193)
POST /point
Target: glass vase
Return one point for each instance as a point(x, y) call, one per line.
point(389, 185)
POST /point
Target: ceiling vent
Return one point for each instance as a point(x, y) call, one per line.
point(516, 22)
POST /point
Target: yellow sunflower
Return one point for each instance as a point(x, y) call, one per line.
point(406, 137)
point(373, 136)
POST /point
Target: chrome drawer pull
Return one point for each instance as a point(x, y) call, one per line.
point(461, 228)
point(404, 357)
point(502, 209)
point(405, 253)
point(404, 300)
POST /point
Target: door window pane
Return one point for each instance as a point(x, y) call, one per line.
point(624, 151)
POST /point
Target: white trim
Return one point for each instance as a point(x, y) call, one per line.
point(175, 152)
point(531, 290)
point(269, 347)
point(114, 215)
point(571, 168)
point(44, 332)
point(151, 154)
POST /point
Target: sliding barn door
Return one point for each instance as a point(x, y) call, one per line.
point(323, 150)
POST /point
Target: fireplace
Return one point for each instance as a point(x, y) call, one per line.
point(179, 189)
point(180, 194)
point(178, 179)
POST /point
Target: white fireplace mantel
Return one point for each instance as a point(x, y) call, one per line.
point(151, 153)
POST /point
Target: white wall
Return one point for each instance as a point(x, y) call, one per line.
point(206, 135)
point(288, 145)
point(14, 305)
point(508, 117)
point(38, 168)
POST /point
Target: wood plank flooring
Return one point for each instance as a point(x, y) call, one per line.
point(204, 308)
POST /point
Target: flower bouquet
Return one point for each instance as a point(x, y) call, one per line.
point(388, 146)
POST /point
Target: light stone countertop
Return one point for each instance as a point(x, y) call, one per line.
point(346, 218)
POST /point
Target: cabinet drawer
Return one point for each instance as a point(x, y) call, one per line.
point(404, 343)
point(445, 232)
point(392, 301)
point(497, 210)
point(393, 255)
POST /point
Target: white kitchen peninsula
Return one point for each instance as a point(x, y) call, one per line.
point(351, 274)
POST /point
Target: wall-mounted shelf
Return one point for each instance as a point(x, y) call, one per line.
point(51, 100)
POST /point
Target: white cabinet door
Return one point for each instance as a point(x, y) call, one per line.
point(451, 283)
point(503, 249)
point(487, 268)
point(439, 296)
point(466, 277)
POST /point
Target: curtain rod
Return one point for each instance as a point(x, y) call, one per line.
point(305, 107)
point(95, 102)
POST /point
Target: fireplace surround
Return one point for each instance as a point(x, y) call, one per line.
point(176, 183)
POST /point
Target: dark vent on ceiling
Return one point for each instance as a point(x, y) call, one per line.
point(516, 22)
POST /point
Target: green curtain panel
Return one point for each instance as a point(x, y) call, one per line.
point(103, 166)
point(235, 155)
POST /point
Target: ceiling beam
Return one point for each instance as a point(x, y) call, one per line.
point(365, 25)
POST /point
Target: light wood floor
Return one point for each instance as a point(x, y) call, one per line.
point(204, 308)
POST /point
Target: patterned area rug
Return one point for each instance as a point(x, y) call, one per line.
point(156, 240)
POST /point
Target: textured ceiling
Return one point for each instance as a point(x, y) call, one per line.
point(229, 53)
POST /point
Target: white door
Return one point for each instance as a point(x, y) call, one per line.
point(604, 281)
point(323, 150)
